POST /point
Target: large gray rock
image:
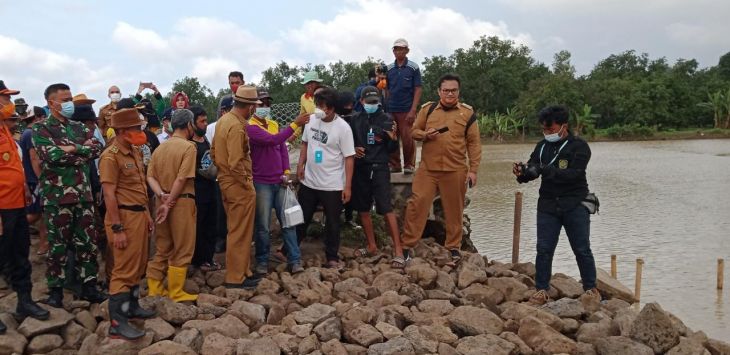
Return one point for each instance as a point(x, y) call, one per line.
point(12, 342)
point(439, 333)
point(717, 347)
point(485, 344)
point(421, 344)
point(422, 274)
point(217, 344)
point(520, 345)
point(262, 346)
point(175, 313)
point(86, 319)
point(591, 332)
point(437, 307)
point(543, 338)
point(32, 327)
point(314, 314)
point(214, 300)
point(227, 325)
point(512, 289)
point(389, 281)
point(388, 331)
point(654, 328)
point(520, 311)
point(254, 314)
point(191, 338)
point(396, 346)
point(468, 320)
point(623, 321)
point(334, 347)
point(352, 285)
point(688, 346)
point(621, 345)
point(44, 343)
point(468, 274)
point(73, 335)
point(483, 294)
point(565, 308)
point(329, 329)
point(122, 347)
point(167, 347)
point(365, 335)
point(309, 344)
point(566, 286)
point(612, 288)
point(161, 329)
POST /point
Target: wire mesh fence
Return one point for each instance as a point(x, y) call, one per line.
point(285, 112)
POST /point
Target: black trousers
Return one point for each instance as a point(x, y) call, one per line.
point(220, 226)
point(14, 249)
point(331, 202)
point(205, 236)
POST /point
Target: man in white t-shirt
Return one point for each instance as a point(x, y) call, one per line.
point(326, 162)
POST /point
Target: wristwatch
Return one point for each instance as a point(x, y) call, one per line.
point(117, 228)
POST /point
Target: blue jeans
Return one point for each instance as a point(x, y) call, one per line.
point(577, 225)
point(268, 197)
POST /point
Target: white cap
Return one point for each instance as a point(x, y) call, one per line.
point(400, 42)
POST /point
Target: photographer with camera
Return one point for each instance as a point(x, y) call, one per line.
point(561, 159)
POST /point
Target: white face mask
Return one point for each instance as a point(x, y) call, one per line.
point(318, 113)
point(552, 138)
point(115, 96)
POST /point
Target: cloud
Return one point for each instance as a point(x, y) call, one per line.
point(31, 70)
point(368, 28)
point(705, 35)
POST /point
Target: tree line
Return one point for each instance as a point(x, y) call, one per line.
point(507, 87)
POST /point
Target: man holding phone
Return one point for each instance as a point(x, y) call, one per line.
point(450, 158)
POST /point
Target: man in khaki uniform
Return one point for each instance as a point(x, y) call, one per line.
point(170, 174)
point(231, 154)
point(127, 220)
point(106, 111)
point(449, 136)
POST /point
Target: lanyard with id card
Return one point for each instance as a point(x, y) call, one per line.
point(318, 153)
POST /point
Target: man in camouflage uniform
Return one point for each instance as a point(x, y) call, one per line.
point(65, 147)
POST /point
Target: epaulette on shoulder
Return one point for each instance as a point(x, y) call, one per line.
point(427, 104)
point(467, 106)
point(114, 149)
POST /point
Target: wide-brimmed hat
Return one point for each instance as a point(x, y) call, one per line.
point(20, 102)
point(125, 118)
point(247, 94)
point(311, 76)
point(81, 99)
point(84, 113)
point(5, 91)
point(35, 112)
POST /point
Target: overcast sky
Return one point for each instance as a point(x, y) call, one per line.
point(93, 44)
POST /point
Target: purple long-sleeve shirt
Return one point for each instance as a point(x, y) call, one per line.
point(269, 156)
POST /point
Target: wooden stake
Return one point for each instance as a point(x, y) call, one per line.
point(516, 230)
point(720, 273)
point(613, 265)
point(637, 286)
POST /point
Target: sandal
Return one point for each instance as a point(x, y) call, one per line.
point(364, 252)
point(398, 262)
point(208, 267)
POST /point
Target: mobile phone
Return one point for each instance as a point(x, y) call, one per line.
point(443, 129)
point(388, 126)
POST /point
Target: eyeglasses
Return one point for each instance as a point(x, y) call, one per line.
point(450, 91)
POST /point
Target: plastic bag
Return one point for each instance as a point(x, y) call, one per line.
point(293, 214)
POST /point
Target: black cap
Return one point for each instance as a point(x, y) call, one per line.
point(263, 93)
point(227, 103)
point(84, 113)
point(370, 94)
point(20, 102)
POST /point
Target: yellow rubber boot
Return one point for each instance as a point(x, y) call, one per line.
point(155, 288)
point(175, 283)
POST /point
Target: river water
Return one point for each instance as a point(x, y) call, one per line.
point(667, 202)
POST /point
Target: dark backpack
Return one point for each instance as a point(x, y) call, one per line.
point(471, 120)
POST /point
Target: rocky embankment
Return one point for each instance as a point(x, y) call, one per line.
point(478, 307)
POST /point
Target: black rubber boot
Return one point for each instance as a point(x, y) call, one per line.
point(3, 328)
point(120, 327)
point(90, 293)
point(72, 282)
point(135, 311)
point(55, 297)
point(27, 308)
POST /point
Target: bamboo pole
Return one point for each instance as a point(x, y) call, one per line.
point(613, 266)
point(637, 286)
point(516, 230)
point(720, 273)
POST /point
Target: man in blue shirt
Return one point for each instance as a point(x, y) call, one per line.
point(403, 96)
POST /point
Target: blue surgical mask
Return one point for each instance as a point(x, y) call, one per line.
point(552, 138)
point(67, 109)
point(370, 108)
point(263, 112)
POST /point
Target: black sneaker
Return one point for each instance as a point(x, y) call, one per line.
point(407, 255)
point(249, 283)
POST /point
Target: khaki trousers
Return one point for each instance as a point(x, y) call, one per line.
point(128, 263)
point(425, 185)
point(239, 202)
point(175, 239)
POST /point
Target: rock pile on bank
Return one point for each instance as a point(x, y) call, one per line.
point(478, 307)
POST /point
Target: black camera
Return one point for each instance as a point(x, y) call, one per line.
point(530, 171)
